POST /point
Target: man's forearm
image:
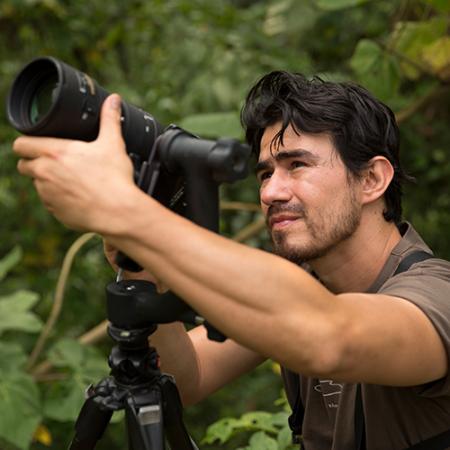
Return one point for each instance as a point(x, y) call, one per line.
point(247, 294)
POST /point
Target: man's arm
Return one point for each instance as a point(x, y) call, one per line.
point(262, 301)
point(200, 366)
point(275, 308)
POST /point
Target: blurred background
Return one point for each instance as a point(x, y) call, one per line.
point(191, 62)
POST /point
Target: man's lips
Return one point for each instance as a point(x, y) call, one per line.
point(282, 220)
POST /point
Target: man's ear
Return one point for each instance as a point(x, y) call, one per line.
point(376, 178)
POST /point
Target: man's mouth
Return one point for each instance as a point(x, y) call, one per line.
point(280, 221)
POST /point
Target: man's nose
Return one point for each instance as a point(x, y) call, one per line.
point(275, 189)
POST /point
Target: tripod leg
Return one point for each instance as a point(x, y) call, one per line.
point(90, 426)
point(177, 434)
point(145, 422)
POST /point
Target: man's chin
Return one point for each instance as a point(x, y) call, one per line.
point(297, 252)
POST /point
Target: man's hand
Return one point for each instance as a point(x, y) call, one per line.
point(84, 184)
point(111, 254)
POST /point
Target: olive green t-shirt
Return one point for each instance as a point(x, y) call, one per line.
point(395, 417)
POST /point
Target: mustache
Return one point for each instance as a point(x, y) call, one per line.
point(281, 208)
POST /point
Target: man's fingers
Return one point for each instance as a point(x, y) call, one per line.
point(34, 147)
point(110, 119)
point(28, 167)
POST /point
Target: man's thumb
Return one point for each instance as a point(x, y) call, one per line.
point(110, 119)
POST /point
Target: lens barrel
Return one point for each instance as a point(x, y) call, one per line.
point(51, 98)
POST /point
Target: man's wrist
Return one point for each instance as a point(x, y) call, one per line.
point(120, 218)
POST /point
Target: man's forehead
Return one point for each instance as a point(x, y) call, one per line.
point(292, 141)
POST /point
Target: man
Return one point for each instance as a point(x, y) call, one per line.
point(330, 189)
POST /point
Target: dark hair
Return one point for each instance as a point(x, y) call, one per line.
point(360, 126)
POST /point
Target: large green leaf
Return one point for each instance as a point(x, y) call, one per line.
point(15, 314)
point(284, 438)
point(83, 360)
point(437, 56)
point(410, 39)
point(84, 365)
point(63, 400)
point(20, 412)
point(67, 353)
point(376, 69)
point(9, 261)
point(214, 125)
point(260, 441)
point(12, 357)
point(259, 420)
point(221, 430)
point(366, 56)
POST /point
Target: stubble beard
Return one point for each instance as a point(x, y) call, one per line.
point(325, 231)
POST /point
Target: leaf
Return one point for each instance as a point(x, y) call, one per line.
point(284, 438)
point(9, 261)
point(15, 314)
point(366, 55)
point(410, 40)
point(333, 5)
point(260, 441)
point(437, 56)
point(64, 400)
point(280, 419)
point(260, 420)
point(20, 413)
point(376, 69)
point(12, 357)
point(67, 353)
point(221, 430)
point(83, 360)
point(214, 125)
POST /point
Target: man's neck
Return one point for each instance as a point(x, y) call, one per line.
point(353, 265)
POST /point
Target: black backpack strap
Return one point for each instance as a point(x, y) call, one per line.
point(411, 259)
point(360, 426)
point(296, 418)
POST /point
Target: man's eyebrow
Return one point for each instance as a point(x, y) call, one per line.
point(286, 154)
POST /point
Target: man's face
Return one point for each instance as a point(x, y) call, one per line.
point(309, 199)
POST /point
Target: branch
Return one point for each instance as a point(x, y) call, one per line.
point(252, 229)
point(59, 297)
point(240, 206)
point(409, 111)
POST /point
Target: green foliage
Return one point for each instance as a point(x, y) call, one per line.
point(19, 394)
point(25, 402)
point(266, 430)
point(191, 63)
point(9, 261)
point(85, 365)
point(14, 312)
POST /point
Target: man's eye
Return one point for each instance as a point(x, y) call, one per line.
point(264, 176)
point(296, 164)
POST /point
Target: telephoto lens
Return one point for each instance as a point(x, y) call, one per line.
point(51, 98)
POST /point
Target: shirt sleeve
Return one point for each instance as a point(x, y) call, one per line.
point(427, 285)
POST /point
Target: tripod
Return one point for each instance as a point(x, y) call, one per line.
point(150, 398)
